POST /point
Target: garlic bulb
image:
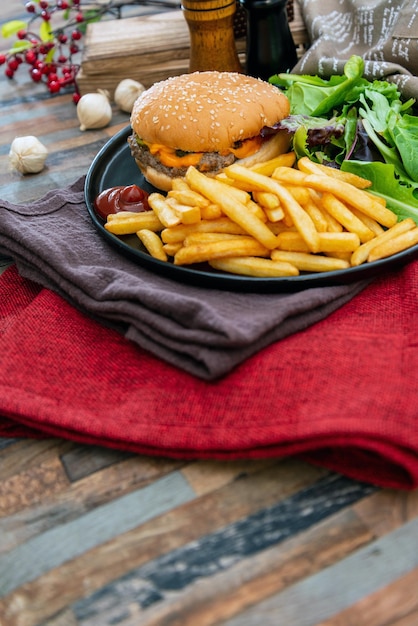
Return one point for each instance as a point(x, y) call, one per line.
point(126, 93)
point(94, 110)
point(27, 154)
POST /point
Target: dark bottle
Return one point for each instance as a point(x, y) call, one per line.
point(270, 45)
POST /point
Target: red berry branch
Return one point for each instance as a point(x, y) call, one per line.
point(50, 50)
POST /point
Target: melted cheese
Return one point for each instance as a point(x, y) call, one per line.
point(248, 147)
point(169, 158)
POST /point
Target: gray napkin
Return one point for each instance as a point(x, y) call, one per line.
point(206, 332)
point(383, 32)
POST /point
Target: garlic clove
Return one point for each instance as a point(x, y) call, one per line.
point(94, 110)
point(126, 93)
point(28, 155)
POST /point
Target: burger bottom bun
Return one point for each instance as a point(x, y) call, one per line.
point(157, 179)
point(278, 144)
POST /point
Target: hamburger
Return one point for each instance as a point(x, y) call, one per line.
point(206, 119)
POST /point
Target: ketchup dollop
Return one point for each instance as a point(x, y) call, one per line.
point(121, 198)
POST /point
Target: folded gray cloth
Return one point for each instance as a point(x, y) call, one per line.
point(383, 32)
point(206, 332)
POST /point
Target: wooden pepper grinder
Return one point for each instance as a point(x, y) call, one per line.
point(212, 41)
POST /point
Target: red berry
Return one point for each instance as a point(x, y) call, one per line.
point(9, 72)
point(36, 74)
point(21, 34)
point(43, 4)
point(74, 48)
point(45, 15)
point(13, 64)
point(62, 4)
point(50, 68)
point(62, 59)
point(30, 7)
point(76, 97)
point(54, 86)
point(79, 18)
point(30, 57)
point(3, 59)
point(62, 38)
point(76, 35)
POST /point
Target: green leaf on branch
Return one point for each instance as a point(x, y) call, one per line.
point(20, 46)
point(49, 57)
point(45, 32)
point(11, 28)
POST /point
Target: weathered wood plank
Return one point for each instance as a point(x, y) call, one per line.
point(206, 476)
point(308, 603)
point(66, 541)
point(47, 510)
point(397, 601)
point(389, 510)
point(65, 618)
point(5, 443)
point(23, 490)
point(170, 531)
point(219, 551)
point(26, 454)
point(229, 592)
point(83, 461)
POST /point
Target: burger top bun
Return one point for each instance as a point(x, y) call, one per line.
point(207, 111)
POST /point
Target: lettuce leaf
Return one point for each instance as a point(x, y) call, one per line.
point(400, 197)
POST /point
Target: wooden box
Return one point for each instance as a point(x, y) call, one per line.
point(146, 48)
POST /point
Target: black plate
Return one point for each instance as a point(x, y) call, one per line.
point(114, 166)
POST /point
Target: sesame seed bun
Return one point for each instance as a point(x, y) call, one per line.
point(206, 112)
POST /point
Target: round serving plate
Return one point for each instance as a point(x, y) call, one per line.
point(114, 165)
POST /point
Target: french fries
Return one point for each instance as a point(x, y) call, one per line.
point(275, 219)
point(346, 217)
point(328, 242)
point(358, 198)
point(308, 166)
point(224, 248)
point(125, 223)
point(291, 206)
point(254, 266)
point(310, 262)
point(382, 242)
point(234, 209)
point(153, 244)
point(392, 246)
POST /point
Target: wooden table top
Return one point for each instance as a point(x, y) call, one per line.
point(92, 536)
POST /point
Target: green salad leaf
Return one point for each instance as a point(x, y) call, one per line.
point(380, 138)
point(401, 198)
point(404, 133)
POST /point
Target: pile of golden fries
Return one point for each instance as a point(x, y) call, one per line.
point(275, 219)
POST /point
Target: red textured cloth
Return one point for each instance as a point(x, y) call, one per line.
point(342, 393)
